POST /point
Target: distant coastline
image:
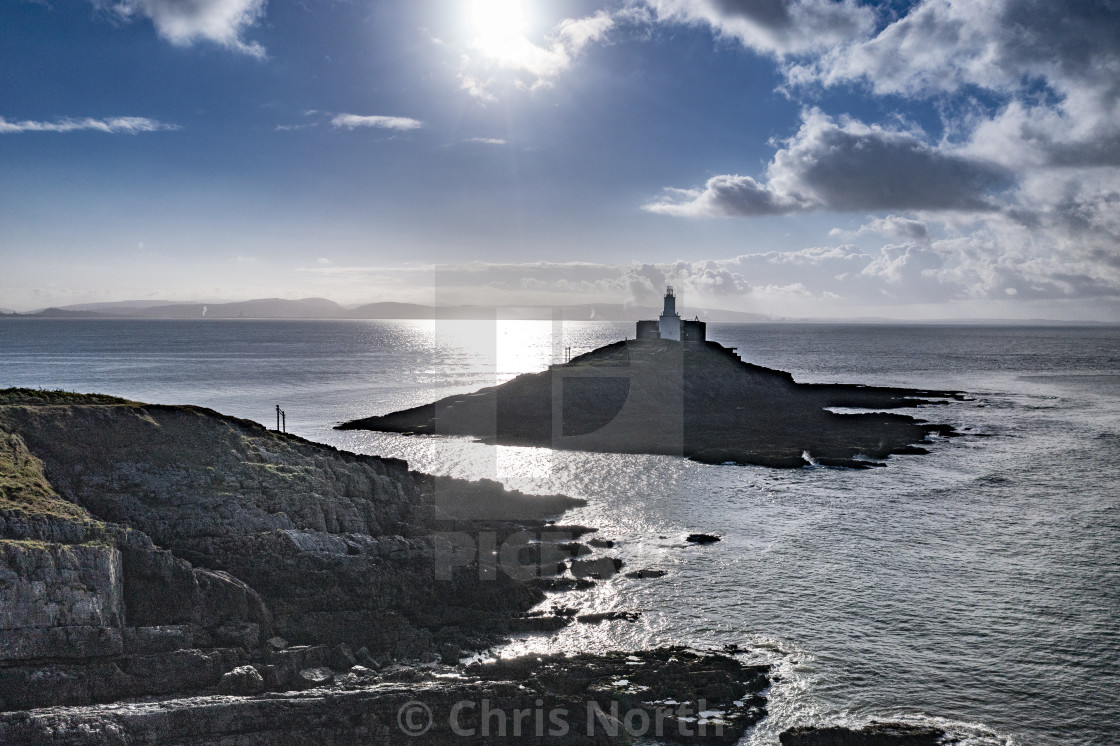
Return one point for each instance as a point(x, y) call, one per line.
point(307, 309)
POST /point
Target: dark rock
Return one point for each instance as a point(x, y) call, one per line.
point(538, 622)
point(647, 572)
point(310, 678)
point(217, 543)
point(342, 658)
point(602, 568)
point(273, 676)
point(242, 680)
point(161, 639)
point(449, 653)
point(702, 538)
point(575, 548)
point(873, 734)
point(620, 687)
point(237, 634)
point(625, 616)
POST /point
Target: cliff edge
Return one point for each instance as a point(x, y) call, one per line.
point(151, 550)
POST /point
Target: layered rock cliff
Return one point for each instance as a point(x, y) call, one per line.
point(151, 550)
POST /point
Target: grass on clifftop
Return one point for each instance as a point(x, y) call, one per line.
point(24, 486)
point(23, 397)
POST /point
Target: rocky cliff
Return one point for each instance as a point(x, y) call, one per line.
point(152, 550)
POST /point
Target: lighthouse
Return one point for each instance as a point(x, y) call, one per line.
point(669, 323)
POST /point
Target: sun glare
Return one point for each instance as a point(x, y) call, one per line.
point(498, 21)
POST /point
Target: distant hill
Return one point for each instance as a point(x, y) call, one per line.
point(321, 308)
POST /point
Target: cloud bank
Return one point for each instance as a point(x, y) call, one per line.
point(1017, 197)
point(845, 166)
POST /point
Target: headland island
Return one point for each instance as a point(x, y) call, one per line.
point(672, 391)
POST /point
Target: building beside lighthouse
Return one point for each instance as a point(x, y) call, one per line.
point(670, 325)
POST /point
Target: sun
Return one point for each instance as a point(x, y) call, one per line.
point(498, 21)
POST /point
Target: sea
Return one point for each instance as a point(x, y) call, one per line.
point(976, 588)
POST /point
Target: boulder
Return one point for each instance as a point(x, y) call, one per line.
point(242, 680)
point(309, 678)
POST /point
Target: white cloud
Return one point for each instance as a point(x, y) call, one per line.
point(127, 125)
point(775, 27)
point(351, 121)
point(487, 140)
point(1015, 48)
point(475, 86)
point(576, 33)
point(186, 22)
point(845, 166)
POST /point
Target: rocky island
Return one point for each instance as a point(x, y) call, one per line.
point(172, 575)
point(684, 397)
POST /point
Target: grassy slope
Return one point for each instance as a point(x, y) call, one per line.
point(24, 487)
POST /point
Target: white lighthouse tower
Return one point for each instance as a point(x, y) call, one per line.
point(669, 323)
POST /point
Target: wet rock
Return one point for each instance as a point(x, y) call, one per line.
point(646, 572)
point(679, 695)
point(538, 622)
point(702, 538)
point(625, 616)
point(575, 548)
point(873, 734)
point(277, 643)
point(602, 568)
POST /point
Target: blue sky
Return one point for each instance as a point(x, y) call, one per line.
point(926, 159)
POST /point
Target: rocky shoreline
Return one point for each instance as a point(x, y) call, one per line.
point(692, 399)
point(173, 575)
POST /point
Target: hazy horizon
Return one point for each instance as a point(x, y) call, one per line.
point(607, 313)
point(915, 160)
